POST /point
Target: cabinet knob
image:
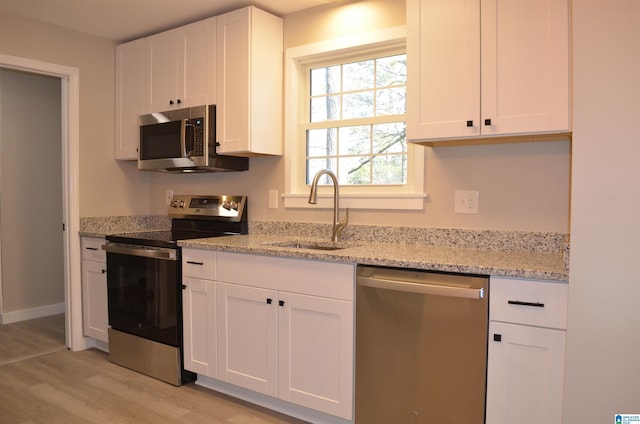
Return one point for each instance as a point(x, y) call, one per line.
point(281, 302)
point(184, 287)
point(179, 101)
point(487, 121)
point(469, 123)
point(104, 271)
point(170, 102)
point(497, 337)
point(269, 300)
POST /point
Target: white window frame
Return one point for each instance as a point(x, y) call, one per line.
point(409, 196)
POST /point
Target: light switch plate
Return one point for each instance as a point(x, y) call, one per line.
point(466, 201)
point(273, 199)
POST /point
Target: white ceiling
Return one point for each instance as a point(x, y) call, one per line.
point(124, 20)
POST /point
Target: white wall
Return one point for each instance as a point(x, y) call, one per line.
point(107, 187)
point(31, 192)
point(603, 346)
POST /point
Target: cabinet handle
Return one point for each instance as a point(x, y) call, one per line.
point(497, 337)
point(104, 271)
point(469, 123)
point(521, 303)
point(487, 122)
point(269, 300)
point(281, 302)
point(91, 248)
point(195, 263)
point(184, 286)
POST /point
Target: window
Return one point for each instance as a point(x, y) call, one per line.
point(356, 122)
point(345, 103)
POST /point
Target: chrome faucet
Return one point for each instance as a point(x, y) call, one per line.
point(336, 233)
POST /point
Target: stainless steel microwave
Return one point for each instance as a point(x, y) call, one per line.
point(183, 140)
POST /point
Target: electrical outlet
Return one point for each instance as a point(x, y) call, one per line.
point(273, 199)
point(169, 196)
point(466, 201)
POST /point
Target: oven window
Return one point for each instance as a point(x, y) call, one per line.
point(144, 297)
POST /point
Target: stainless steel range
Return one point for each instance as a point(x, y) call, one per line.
point(144, 282)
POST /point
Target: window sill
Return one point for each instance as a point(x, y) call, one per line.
point(387, 201)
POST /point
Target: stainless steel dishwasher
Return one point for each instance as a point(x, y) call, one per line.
point(421, 346)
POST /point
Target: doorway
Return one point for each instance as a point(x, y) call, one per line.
point(31, 196)
point(69, 107)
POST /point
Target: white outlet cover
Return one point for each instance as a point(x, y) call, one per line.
point(466, 201)
point(273, 199)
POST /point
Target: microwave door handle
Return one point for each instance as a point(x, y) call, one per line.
point(183, 138)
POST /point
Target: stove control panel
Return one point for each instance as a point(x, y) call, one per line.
point(209, 207)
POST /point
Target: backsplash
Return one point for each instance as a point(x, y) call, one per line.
point(103, 225)
point(516, 241)
point(513, 241)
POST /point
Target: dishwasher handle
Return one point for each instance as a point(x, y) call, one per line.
point(420, 288)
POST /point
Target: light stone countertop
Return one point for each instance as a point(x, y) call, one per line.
point(530, 265)
point(518, 254)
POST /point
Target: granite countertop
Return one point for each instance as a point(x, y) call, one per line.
point(531, 255)
point(531, 265)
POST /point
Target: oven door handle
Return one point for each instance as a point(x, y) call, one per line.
point(143, 251)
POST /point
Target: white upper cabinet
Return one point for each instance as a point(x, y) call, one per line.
point(487, 68)
point(129, 97)
point(249, 83)
point(180, 67)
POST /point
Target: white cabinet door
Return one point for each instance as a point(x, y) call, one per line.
point(487, 68)
point(525, 66)
point(180, 67)
point(130, 69)
point(199, 315)
point(94, 300)
point(249, 82)
point(248, 337)
point(163, 70)
point(443, 69)
point(316, 353)
point(198, 85)
point(525, 374)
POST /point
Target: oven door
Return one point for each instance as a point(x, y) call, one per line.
point(144, 294)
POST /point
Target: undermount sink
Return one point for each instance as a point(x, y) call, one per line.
point(309, 245)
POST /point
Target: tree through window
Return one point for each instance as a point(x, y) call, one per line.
point(356, 121)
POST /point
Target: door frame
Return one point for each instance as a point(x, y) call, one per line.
point(70, 108)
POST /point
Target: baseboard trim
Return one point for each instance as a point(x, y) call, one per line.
point(32, 313)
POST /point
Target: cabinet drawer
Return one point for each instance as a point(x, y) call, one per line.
point(92, 249)
point(199, 263)
point(528, 302)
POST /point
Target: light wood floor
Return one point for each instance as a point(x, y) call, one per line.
point(84, 387)
point(25, 339)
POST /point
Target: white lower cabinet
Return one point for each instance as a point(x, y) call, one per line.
point(284, 327)
point(527, 333)
point(95, 316)
point(199, 326)
point(199, 311)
